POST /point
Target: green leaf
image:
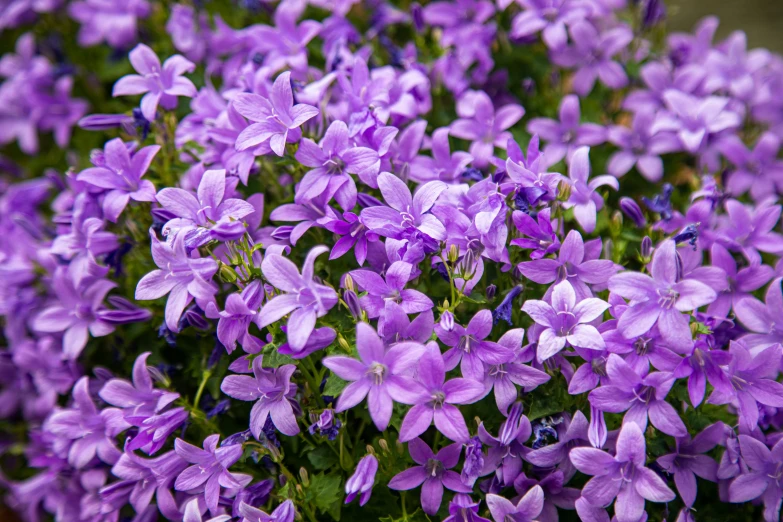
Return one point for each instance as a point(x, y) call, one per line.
point(322, 457)
point(325, 492)
point(273, 358)
point(334, 386)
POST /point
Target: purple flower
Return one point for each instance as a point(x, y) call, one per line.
point(394, 325)
point(573, 264)
point(333, 161)
point(149, 477)
point(438, 401)
point(758, 171)
point(114, 22)
point(362, 480)
point(285, 43)
point(550, 17)
point(503, 377)
point(751, 230)
point(762, 319)
point(139, 399)
point(752, 379)
point(541, 236)
point(530, 181)
point(181, 276)
point(162, 85)
point(285, 512)
point(571, 434)
point(591, 54)
point(694, 119)
point(660, 299)
point(86, 431)
point(354, 236)
point(303, 296)
point(240, 311)
point(405, 212)
point(584, 199)
point(208, 209)
point(378, 375)
point(276, 118)
point(741, 283)
point(379, 292)
point(555, 495)
point(623, 476)
point(445, 165)
point(689, 461)
point(433, 473)
point(78, 311)
point(273, 392)
point(527, 509)
point(640, 147)
point(209, 470)
point(566, 135)
point(486, 128)
point(470, 349)
point(463, 509)
point(762, 479)
point(507, 450)
point(119, 174)
point(566, 321)
point(640, 397)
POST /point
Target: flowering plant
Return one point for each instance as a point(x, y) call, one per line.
point(466, 261)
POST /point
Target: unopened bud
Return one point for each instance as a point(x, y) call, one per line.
point(384, 445)
point(632, 209)
point(305, 478)
point(299, 489)
point(348, 283)
point(227, 273)
point(453, 254)
point(492, 291)
point(563, 191)
point(447, 321)
point(352, 302)
point(616, 224)
point(343, 343)
point(647, 249)
point(370, 449)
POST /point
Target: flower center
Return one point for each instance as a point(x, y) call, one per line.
point(434, 468)
point(376, 372)
point(667, 298)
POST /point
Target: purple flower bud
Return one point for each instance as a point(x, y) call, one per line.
point(632, 209)
point(689, 235)
point(99, 122)
point(362, 480)
point(653, 12)
point(214, 357)
point(447, 321)
point(352, 300)
point(647, 247)
point(492, 290)
point(417, 16)
point(282, 233)
point(661, 203)
point(325, 424)
point(366, 200)
point(529, 86)
point(596, 432)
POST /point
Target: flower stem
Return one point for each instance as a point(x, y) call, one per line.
point(205, 377)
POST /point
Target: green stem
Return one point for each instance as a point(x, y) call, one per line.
point(207, 374)
point(310, 378)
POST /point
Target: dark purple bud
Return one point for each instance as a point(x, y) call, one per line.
point(214, 357)
point(653, 12)
point(447, 321)
point(136, 315)
point(529, 86)
point(417, 16)
point(140, 124)
point(504, 309)
point(253, 495)
point(632, 209)
point(366, 200)
point(647, 247)
point(352, 300)
point(474, 461)
point(100, 122)
point(193, 317)
point(282, 233)
point(221, 407)
point(167, 335)
point(491, 291)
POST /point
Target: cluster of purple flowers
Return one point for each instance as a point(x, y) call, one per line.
point(415, 277)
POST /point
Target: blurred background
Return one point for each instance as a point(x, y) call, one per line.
point(762, 20)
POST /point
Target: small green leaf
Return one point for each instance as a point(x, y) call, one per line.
point(322, 457)
point(334, 386)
